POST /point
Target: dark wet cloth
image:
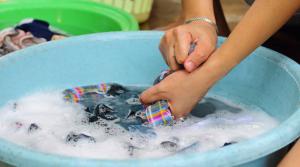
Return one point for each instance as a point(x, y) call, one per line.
point(114, 102)
point(109, 102)
point(37, 28)
point(73, 138)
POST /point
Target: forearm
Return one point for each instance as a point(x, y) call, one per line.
point(197, 8)
point(260, 22)
point(292, 158)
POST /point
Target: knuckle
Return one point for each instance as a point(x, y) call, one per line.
point(168, 34)
point(168, 40)
point(142, 98)
point(178, 31)
point(180, 59)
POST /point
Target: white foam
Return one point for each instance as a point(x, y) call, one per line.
point(56, 119)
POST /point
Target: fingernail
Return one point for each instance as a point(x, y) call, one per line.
point(190, 66)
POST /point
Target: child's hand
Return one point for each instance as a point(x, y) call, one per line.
point(176, 42)
point(179, 89)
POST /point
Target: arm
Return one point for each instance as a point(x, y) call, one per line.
point(176, 41)
point(259, 23)
point(263, 19)
point(292, 158)
point(192, 8)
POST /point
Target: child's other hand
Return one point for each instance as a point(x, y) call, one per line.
point(176, 42)
point(179, 89)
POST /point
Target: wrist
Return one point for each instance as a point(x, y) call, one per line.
point(218, 65)
point(180, 19)
point(201, 8)
point(202, 21)
point(214, 69)
point(190, 17)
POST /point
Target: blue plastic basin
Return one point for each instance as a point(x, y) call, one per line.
point(266, 79)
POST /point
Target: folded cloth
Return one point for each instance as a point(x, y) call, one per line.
point(38, 28)
point(29, 32)
point(12, 40)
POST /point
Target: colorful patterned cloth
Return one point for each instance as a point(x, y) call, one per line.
point(159, 113)
point(77, 94)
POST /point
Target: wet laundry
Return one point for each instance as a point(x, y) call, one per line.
point(120, 105)
point(33, 127)
point(73, 138)
point(169, 146)
point(108, 101)
point(229, 143)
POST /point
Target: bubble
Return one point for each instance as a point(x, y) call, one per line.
point(43, 121)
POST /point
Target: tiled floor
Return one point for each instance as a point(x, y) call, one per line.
point(166, 11)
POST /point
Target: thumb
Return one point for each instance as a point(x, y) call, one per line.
point(197, 57)
point(151, 95)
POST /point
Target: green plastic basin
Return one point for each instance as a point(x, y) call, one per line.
point(74, 17)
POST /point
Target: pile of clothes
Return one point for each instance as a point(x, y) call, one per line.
point(27, 33)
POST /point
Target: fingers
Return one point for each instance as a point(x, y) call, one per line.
point(154, 94)
point(172, 57)
point(151, 95)
point(175, 46)
point(163, 47)
point(167, 49)
point(177, 109)
point(182, 44)
point(176, 43)
point(198, 56)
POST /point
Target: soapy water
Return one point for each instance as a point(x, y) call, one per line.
point(44, 122)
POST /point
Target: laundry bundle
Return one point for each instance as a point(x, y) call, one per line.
point(111, 101)
point(27, 33)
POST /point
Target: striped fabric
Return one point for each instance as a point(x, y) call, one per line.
point(159, 113)
point(77, 94)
